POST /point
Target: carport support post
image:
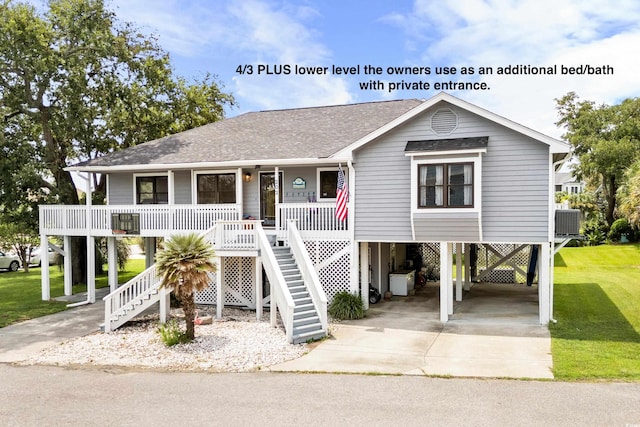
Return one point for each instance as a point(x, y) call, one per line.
point(446, 283)
point(544, 284)
point(467, 267)
point(220, 294)
point(112, 263)
point(458, 271)
point(91, 269)
point(364, 274)
point(259, 295)
point(44, 273)
point(68, 273)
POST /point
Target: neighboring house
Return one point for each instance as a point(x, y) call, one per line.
point(567, 183)
point(262, 186)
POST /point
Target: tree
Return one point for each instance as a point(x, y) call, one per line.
point(184, 264)
point(605, 138)
point(21, 240)
point(76, 83)
point(629, 195)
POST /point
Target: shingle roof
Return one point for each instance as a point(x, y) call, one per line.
point(302, 133)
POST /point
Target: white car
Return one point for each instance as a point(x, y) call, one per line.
point(36, 257)
point(9, 262)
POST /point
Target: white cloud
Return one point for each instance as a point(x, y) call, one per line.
point(502, 32)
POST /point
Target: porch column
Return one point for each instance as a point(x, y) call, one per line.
point(364, 274)
point(68, 268)
point(165, 304)
point(544, 287)
point(467, 267)
point(239, 192)
point(149, 251)
point(276, 183)
point(219, 294)
point(458, 271)
point(446, 284)
point(44, 273)
point(259, 295)
point(171, 188)
point(91, 269)
point(112, 263)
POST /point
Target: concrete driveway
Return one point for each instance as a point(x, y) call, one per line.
point(494, 332)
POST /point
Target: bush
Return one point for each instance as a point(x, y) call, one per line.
point(618, 228)
point(346, 306)
point(594, 232)
point(171, 334)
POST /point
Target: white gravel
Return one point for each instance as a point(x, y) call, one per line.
point(235, 343)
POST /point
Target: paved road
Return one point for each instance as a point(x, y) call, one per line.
point(47, 396)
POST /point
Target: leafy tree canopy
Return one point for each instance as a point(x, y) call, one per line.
point(76, 83)
point(606, 140)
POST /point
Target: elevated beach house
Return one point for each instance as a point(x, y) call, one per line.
point(415, 178)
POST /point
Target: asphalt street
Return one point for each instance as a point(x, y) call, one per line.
point(52, 396)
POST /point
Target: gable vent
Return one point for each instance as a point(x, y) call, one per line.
point(444, 121)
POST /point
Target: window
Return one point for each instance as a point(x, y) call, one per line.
point(328, 184)
point(152, 190)
point(216, 188)
point(448, 185)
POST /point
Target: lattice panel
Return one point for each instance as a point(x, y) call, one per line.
point(430, 253)
point(504, 273)
point(332, 259)
point(239, 283)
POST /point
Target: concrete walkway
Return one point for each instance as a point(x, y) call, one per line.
point(493, 333)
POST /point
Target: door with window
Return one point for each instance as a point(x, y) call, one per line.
point(268, 197)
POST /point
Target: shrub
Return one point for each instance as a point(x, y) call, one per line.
point(346, 306)
point(594, 232)
point(171, 334)
point(618, 228)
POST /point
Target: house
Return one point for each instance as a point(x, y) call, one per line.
point(567, 183)
point(425, 178)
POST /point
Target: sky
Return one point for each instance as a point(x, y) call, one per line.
point(258, 47)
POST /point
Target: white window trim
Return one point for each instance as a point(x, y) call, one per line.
point(194, 181)
point(319, 197)
point(135, 180)
point(436, 158)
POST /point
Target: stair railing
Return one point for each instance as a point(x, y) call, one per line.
point(136, 289)
point(308, 272)
point(280, 295)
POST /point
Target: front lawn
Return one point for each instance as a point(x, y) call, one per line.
point(21, 293)
point(597, 306)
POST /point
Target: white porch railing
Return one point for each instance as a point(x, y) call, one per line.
point(154, 220)
point(313, 220)
point(309, 274)
point(236, 235)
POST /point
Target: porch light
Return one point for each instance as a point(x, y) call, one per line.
point(247, 177)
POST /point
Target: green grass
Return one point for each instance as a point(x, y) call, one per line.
point(21, 293)
point(597, 306)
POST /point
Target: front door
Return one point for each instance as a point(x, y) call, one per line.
point(268, 197)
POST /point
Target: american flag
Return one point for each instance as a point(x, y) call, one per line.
point(342, 196)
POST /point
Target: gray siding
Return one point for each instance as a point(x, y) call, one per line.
point(120, 189)
point(514, 184)
point(458, 227)
point(182, 183)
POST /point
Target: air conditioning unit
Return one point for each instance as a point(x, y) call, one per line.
point(567, 222)
point(125, 223)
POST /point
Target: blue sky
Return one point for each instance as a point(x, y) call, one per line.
point(219, 35)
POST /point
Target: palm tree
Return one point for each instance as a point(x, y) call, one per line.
point(184, 265)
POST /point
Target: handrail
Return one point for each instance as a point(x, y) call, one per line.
point(309, 273)
point(280, 297)
point(136, 288)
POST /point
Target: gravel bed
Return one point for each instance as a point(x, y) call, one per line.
point(235, 343)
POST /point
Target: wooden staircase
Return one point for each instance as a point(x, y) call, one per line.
point(306, 320)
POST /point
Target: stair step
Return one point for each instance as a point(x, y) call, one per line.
point(303, 300)
point(299, 287)
point(303, 307)
point(307, 336)
point(298, 323)
point(304, 314)
point(293, 278)
point(297, 296)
